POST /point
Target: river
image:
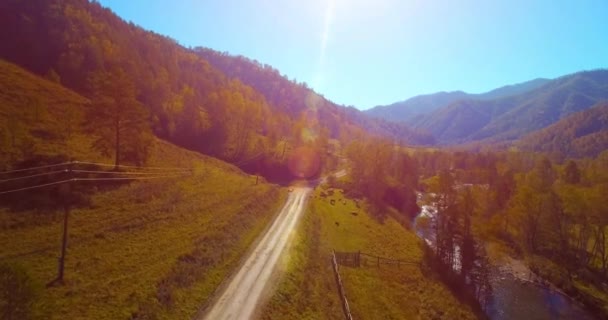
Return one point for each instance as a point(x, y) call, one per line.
point(517, 292)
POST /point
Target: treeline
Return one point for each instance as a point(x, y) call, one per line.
point(552, 214)
point(387, 174)
point(453, 251)
point(383, 173)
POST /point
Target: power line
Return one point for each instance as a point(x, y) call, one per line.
point(37, 186)
point(34, 175)
point(240, 163)
point(34, 168)
point(90, 163)
point(126, 166)
point(127, 178)
point(128, 173)
point(90, 179)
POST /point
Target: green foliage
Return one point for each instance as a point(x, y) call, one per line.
point(384, 175)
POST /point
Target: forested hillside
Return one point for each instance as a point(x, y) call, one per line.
point(509, 118)
point(151, 78)
point(140, 83)
point(114, 213)
point(412, 110)
point(582, 134)
point(295, 98)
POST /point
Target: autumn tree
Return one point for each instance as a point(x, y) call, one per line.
point(117, 117)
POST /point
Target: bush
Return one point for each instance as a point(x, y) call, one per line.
point(17, 292)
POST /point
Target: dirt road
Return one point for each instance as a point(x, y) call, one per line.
point(242, 294)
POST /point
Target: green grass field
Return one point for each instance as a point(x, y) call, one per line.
point(307, 290)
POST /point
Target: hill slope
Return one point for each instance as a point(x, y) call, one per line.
point(582, 134)
point(39, 118)
point(296, 99)
point(174, 239)
point(189, 102)
point(410, 111)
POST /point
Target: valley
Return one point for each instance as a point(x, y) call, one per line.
point(149, 177)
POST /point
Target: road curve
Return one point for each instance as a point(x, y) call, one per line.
point(242, 294)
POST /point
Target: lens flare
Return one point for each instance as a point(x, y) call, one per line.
point(304, 162)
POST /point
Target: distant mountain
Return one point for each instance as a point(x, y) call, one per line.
point(407, 110)
point(411, 110)
point(511, 90)
point(509, 118)
point(582, 134)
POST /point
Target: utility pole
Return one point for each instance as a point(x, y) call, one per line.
point(284, 147)
point(67, 199)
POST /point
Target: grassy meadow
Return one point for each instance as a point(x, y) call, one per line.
point(159, 247)
point(308, 290)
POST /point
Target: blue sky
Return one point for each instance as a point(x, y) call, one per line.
point(370, 52)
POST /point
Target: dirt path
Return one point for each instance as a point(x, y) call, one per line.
point(242, 294)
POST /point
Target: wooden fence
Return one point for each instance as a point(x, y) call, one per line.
point(345, 306)
point(358, 259)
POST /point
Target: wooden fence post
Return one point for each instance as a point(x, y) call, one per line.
point(345, 306)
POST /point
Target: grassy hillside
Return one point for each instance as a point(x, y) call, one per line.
point(158, 247)
point(308, 289)
point(40, 117)
point(153, 248)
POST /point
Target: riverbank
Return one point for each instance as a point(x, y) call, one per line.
point(592, 295)
point(543, 274)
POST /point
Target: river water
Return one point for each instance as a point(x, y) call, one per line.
point(514, 297)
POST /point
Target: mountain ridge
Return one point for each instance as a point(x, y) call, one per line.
point(409, 110)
